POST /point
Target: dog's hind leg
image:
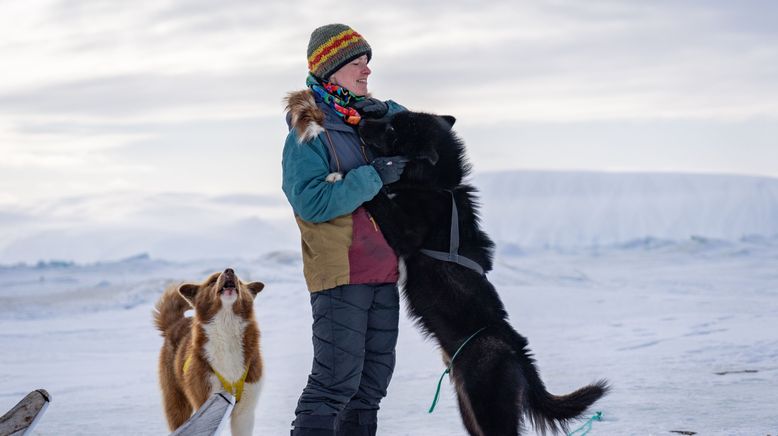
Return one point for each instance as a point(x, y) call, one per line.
point(466, 411)
point(177, 407)
point(489, 393)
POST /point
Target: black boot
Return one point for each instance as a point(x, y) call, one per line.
point(356, 423)
point(312, 425)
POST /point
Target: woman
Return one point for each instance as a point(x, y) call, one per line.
point(349, 268)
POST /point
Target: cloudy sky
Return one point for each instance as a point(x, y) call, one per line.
point(102, 96)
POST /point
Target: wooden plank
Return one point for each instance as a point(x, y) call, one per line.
point(24, 416)
point(210, 418)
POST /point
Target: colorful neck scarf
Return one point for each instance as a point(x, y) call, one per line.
point(338, 97)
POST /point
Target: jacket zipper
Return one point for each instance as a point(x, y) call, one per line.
point(372, 220)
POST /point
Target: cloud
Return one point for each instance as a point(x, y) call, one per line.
point(131, 95)
point(10, 218)
point(602, 62)
point(214, 156)
point(654, 145)
point(537, 61)
point(99, 95)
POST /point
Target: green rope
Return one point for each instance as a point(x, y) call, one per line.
point(587, 426)
point(448, 370)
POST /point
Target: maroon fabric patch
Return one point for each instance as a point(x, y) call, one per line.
point(371, 259)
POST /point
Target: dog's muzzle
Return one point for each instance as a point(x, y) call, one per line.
point(229, 286)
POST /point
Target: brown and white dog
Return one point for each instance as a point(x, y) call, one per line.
point(215, 350)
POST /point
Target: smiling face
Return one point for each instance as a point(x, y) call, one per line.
point(353, 76)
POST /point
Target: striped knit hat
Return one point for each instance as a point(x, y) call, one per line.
point(333, 46)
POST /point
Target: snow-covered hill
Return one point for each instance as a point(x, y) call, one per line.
point(567, 209)
point(170, 226)
point(522, 211)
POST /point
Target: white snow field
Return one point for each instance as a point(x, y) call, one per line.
point(666, 285)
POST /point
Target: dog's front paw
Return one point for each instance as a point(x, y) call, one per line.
point(334, 177)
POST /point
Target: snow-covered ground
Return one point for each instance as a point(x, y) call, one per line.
point(683, 325)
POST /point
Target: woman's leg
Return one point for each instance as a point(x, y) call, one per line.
point(340, 321)
point(359, 418)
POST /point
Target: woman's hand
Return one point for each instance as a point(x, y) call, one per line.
point(389, 168)
point(371, 108)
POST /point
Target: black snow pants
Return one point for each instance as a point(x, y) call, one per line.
point(354, 338)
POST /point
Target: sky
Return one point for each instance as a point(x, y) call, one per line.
point(100, 97)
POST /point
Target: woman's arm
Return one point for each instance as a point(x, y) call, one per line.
point(305, 167)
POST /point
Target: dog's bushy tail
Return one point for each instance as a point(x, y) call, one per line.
point(554, 412)
point(169, 309)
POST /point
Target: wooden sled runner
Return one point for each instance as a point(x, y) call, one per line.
point(24, 416)
point(210, 418)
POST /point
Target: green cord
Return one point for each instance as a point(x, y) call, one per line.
point(448, 370)
point(587, 426)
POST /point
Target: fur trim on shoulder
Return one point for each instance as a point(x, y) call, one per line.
point(307, 118)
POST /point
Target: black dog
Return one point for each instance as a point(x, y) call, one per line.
point(494, 373)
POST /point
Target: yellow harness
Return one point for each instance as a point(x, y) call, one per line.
point(235, 388)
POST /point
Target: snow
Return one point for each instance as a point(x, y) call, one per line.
point(176, 226)
point(656, 282)
point(560, 209)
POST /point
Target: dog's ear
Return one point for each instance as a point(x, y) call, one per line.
point(189, 292)
point(255, 288)
point(449, 120)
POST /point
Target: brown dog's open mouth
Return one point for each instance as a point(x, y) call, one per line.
point(228, 288)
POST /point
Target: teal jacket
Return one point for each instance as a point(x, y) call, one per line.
point(341, 243)
point(307, 162)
